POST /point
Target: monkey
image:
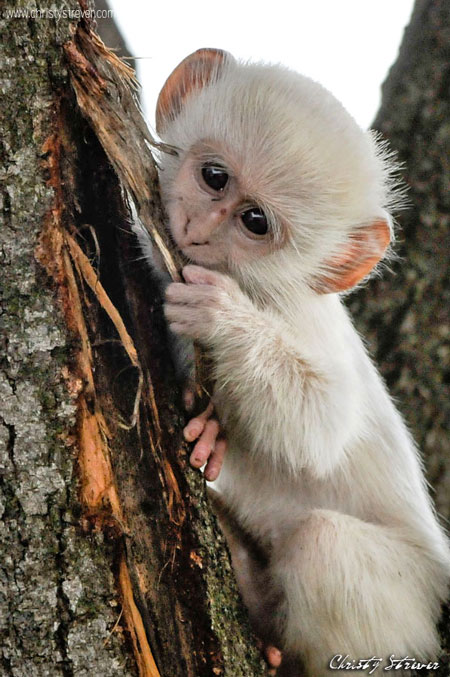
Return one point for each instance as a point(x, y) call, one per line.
point(282, 205)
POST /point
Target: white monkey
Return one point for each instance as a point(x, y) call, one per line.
point(282, 202)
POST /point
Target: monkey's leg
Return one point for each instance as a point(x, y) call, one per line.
point(257, 591)
point(354, 588)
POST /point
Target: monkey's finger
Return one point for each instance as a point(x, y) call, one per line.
point(215, 461)
point(189, 294)
point(196, 425)
point(198, 275)
point(173, 291)
point(205, 446)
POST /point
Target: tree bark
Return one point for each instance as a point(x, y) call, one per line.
point(113, 564)
point(58, 599)
point(108, 31)
point(405, 315)
point(111, 561)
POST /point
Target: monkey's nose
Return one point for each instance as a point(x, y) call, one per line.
point(201, 228)
point(188, 228)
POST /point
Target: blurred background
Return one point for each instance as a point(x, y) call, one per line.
point(348, 46)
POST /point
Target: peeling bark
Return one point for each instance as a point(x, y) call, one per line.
point(58, 599)
point(113, 563)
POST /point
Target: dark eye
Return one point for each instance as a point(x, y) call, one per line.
point(255, 221)
point(215, 177)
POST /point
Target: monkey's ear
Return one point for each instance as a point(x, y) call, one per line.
point(365, 249)
point(194, 72)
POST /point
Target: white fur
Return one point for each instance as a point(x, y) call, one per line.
point(297, 149)
point(321, 469)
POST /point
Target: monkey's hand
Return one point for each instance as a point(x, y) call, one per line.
point(197, 309)
point(193, 310)
point(210, 447)
point(291, 400)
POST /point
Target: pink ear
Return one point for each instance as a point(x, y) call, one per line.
point(194, 72)
point(365, 249)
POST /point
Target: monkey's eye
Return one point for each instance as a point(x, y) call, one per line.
point(255, 221)
point(215, 177)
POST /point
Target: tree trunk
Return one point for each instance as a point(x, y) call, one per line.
point(405, 316)
point(112, 563)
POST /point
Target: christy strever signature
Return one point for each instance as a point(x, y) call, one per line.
point(341, 662)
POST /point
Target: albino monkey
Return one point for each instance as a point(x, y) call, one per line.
point(282, 203)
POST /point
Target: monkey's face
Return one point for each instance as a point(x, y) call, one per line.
point(272, 173)
point(212, 217)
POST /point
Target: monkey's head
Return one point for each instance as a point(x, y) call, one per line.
point(271, 172)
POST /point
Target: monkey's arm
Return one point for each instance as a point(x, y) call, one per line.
point(288, 401)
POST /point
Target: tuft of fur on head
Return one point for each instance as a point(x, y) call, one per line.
point(298, 153)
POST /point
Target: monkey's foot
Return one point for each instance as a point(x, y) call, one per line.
point(273, 657)
point(211, 447)
point(189, 396)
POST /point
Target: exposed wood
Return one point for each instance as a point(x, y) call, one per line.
point(96, 482)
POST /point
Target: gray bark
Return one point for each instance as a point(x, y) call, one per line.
point(90, 503)
point(58, 600)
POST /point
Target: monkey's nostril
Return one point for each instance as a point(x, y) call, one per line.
point(186, 226)
point(200, 243)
